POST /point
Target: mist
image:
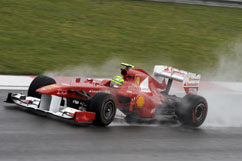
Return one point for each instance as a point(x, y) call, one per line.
point(229, 67)
point(225, 97)
point(107, 69)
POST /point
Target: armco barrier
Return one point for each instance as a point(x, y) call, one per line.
point(222, 3)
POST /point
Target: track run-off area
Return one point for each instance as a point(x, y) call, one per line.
point(27, 136)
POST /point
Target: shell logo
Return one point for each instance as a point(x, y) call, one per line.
point(54, 85)
point(140, 101)
point(48, 87)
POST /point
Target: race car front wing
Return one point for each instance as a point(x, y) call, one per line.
point(51, 105)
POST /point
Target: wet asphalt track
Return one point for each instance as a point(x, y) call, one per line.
point(26, 136)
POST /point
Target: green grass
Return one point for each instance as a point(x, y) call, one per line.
point(41, 35)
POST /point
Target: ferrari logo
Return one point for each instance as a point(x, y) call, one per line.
point(138, 80)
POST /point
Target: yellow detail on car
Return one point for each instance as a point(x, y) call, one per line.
point(140, 101)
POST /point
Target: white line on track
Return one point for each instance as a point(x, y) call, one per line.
point(15, 82)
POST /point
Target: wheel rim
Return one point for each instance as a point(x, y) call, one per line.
point(199, 112)
point(108, 110)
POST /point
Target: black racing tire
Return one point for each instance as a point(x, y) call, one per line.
point(38, 82)
point(192, 110)
point(103, 104)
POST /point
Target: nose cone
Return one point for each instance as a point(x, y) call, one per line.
point(50, 89)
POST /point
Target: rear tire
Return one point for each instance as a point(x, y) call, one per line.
point(192, 110)
point(103, 105)
point(38, 82)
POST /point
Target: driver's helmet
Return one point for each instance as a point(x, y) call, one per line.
point(117, 81)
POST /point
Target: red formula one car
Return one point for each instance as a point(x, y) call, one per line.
point(140, 98)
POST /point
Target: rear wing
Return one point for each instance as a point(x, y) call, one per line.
point(189, 80)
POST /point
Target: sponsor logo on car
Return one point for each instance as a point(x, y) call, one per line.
point(138, 80)
point(61, 92)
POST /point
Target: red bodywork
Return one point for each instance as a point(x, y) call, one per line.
point(140, 92)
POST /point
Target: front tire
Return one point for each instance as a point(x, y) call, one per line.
point(192, 110)
point(104, 106)
point(38, 82)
